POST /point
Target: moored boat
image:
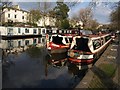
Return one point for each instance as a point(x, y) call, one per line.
point(84, 50)
point(58, 43)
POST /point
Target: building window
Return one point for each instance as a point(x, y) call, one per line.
point(8, 9)
point(34, 31)
point(22, 11)
point(9, 15)
point(18, 30)
point(15, 11)
point(26, 30)
point(10, 31)
point(22, 17)
point(15, 16)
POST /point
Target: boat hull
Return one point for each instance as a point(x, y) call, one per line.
point(58, 50)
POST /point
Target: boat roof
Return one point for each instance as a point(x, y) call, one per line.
point(97, 35)
point(59, 35)
point(92, 36)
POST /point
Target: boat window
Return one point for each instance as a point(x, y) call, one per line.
point(82, 44)
point(68, 31)
point(49, 38)
point(57, 40)
point(64, 31)
point(66, 40)
point(60, 31)
point(96, 44)
point(86, 32)
point(107, 38)
point(70, 40)
point(54, 31)
point(102, 41)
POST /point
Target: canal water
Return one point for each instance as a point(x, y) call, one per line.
point(27, 64)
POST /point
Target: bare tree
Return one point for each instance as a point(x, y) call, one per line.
point(93, 24)
point(85, 15)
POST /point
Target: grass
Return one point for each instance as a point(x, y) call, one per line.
point(108, 70)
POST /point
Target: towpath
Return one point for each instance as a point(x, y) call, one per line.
point(106, 71)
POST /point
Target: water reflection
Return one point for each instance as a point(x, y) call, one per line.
point(36, 68)
point(57, 59)
point(33, 50)
point(16, 46)
point(76, 72)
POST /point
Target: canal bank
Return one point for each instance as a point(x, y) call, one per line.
point(0, 68)
point(102, 74)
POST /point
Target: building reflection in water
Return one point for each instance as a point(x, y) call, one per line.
point(20, 45)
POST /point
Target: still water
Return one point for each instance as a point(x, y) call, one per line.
point(28, 64)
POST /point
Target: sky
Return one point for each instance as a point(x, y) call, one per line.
point(101, 12)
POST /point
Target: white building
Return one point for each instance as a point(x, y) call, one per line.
point(46, 21)
point(14, 14)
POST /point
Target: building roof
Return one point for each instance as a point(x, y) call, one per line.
point(16, 8)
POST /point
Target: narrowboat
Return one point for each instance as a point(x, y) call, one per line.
point(58, 43)
point(87, 48)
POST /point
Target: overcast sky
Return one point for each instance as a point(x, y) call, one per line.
point(101, 12)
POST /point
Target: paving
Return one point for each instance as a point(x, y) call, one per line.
point(96, 76)
point(0, 69)
point(117, 74)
